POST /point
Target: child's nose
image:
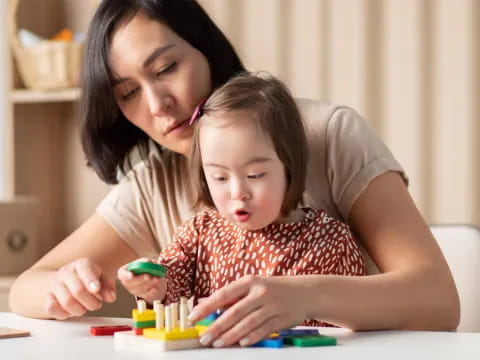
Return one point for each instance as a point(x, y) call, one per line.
point(240, 192)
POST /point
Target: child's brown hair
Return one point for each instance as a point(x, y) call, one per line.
point(277, 116)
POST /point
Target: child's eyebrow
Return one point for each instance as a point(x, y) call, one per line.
point(254, 160)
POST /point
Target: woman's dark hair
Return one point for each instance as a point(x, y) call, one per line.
point(107, 136)
point(276, 115)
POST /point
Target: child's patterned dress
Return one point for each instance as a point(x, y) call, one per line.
point(208, 252)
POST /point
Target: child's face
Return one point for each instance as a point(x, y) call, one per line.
point(246, 178)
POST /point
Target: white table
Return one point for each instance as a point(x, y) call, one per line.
point(70, 340)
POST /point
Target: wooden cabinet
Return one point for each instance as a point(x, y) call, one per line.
point(41, 156)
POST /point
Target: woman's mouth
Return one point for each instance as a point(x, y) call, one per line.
point(179, 127)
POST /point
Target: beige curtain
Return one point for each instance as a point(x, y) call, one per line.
point(410, 67)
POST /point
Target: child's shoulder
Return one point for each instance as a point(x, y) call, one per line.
point(320, 217)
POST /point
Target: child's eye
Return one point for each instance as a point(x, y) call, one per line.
point(220, 178)
point(167, 69)
point(256, 176)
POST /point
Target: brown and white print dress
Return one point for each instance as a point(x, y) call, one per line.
point(208, 252)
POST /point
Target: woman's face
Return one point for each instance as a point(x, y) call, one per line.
point(159, 80)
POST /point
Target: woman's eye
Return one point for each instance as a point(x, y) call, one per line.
point(129, 94)
point(167, 69)
point(256, 176)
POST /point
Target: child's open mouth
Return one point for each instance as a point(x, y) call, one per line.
point(242, 215)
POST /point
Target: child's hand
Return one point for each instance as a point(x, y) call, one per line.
point(145, 286)
point(257, 306)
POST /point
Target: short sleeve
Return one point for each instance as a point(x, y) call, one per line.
point(126, 209)
point(355, 156)
point(149, 203)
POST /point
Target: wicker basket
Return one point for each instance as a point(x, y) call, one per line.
point(50, 64)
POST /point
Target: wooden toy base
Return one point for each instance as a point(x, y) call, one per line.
point(127, 340)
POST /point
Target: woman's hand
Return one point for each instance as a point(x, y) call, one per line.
point(146, 286)
point(79, 287)
point(255, 307)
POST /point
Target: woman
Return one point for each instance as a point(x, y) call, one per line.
point(148, 64)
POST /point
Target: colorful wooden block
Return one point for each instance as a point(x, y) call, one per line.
point(144, 324)
point(108, 330)
point(274, 342)
point(297, 332)
point(145, 267)
point(138, 331)
point(309, 340)
point(147, 315)
point(175, 334)
point(200, 329)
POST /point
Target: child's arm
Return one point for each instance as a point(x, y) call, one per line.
point(178, 259)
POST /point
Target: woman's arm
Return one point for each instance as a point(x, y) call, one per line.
point(76, 276)
point(414, 291)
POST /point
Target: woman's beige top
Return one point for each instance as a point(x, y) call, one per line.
point(151, 201)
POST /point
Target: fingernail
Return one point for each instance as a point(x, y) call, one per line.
point(205, 339)
point(94, 286)
point(244, 342)
point(111, 295)
point(218, 343)
point(192, 316)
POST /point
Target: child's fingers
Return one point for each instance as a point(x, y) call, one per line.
point(142, 284)
point(123, 274)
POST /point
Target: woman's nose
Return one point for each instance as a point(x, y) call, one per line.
point(159, 103)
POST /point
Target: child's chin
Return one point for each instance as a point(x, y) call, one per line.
point(249, 226)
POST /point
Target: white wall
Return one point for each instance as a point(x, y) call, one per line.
point(410, 67)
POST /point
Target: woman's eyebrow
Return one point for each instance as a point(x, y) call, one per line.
point(156, 53)
point(150, 59)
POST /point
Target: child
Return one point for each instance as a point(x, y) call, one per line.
point(244, 171)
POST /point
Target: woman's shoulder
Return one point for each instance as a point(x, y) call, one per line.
point(320, 117)
point(319, 110)
point(152, 160)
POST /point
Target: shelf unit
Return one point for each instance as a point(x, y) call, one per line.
point(44, 162)
point(27, 96)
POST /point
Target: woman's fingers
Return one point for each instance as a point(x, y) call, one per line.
point(89, 273)
point(237, 322)
point(77, 290)
point(261, 306)
point(54, 309)
point(67, 302)
point(79, 287)
point(222, 299)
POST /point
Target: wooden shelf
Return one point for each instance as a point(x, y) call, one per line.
point(24, 96)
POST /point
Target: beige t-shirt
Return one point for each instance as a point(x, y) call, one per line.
point(151, 201)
